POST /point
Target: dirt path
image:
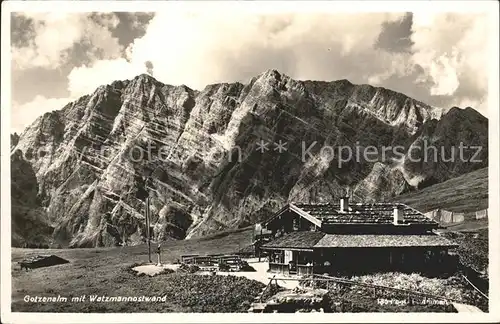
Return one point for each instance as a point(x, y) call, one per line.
point(153, 269)
point(464, 308)
point(261, 274)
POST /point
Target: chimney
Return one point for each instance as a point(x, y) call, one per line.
point(344, 204)
point(344, 200)
point(398, 215)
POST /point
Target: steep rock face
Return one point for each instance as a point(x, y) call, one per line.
point(454, 145)
point(201, 151)
point(30, 225)
point(14, 139)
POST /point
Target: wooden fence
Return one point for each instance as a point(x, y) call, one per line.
point(300, 269)
point(234, 261)
point(473, 286)
point(313, 279)
point(447, 217)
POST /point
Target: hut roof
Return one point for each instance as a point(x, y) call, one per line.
point(302, 240)
point(296, 240)
point(370, 240)
point(39, 261)
point(246, 249)
point(363, 213)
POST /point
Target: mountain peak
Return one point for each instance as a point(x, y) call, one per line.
point(272, 74)
point(471, 110)
point(343, 82)
point(467, 112)
point(145, 77)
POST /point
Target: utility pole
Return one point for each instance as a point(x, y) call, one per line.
point(260, 241)
point(143, 194)
point(148, 226)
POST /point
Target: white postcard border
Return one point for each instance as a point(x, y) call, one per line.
point(253, 6)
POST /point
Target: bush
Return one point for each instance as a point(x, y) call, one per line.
point(272, 290)
point(354, 298)
point(166, 271)
point(193, 268)
point(246, 267)
point(188, 268)
point(130, 268)
point(214, 294)
point(224, 267)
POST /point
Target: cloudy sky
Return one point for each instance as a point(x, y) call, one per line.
point(440, 59)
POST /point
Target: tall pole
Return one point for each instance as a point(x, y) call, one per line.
point(260, 241)
point(148, 229)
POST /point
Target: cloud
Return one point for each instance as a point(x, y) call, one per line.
point(25, 114)
point(81, 81)
point(452, 51)
point(439, 59)
point(436, 58)
point(149, 67)
point(44, 45)
point(395, 34)
point(53, 36)
point(85, 79)
point(197, 49)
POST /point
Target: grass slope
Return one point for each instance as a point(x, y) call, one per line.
point(466, 193)
point(105, 271)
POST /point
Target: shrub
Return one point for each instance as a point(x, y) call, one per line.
point(224, 266)
point(188, 268)
point(246, 267)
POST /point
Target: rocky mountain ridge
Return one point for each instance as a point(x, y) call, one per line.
point(201, 153)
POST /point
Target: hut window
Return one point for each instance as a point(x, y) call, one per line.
point(275, 257)
point(278, 257)
point(304, 258)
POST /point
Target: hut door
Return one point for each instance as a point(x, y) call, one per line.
point(288, 256)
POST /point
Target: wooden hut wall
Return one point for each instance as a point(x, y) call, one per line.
point(288, 222)
point(407, 259)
